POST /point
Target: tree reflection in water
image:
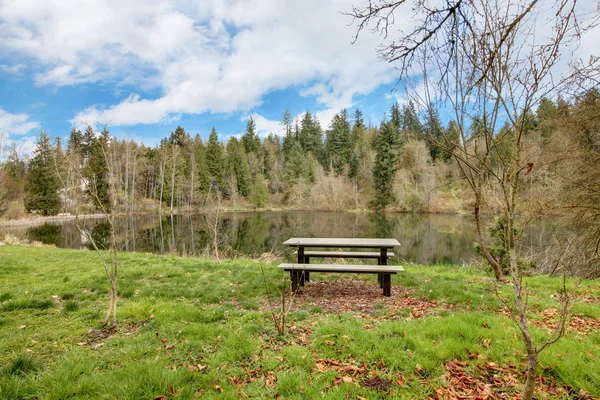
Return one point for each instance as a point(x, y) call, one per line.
point(424, 238)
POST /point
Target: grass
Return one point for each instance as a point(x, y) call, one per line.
point(192, 328)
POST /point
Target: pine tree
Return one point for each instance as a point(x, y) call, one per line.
point(87, 142)
point(386, 159)
point(410, 121)
point(202, 173)
point(434, 134)
point(288, 139)
point(250, 139)
point(338, 142)
point(75, 141)
point(239, 163)
point(97, 170)
point(311, 137)
point(42, 183)
point(396, 117)
point(297, 167)
point(452, 140)
point(215, 160)
point(546, 114)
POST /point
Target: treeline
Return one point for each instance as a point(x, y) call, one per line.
point(404, 164)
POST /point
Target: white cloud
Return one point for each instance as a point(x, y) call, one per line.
point(16, 124)
point(213, 55)
point(14, 69)
point(265, 126)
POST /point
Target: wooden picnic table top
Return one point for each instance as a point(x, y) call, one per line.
point(342, 242)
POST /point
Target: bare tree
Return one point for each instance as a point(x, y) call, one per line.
point(488, 63)
point(213, 213)
point(109, 256)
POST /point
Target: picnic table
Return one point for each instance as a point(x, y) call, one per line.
point(300, 272)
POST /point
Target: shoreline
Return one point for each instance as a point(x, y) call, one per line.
point(40, 220)
point(37, 220)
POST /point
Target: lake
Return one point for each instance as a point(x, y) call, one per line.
point(424, 238)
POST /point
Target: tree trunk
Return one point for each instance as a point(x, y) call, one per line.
point(488, 256)
point(172, 178)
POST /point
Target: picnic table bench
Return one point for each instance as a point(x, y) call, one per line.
point(300, 272)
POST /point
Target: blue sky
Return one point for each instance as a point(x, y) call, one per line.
point(142, 67)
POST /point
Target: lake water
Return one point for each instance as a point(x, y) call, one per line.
point(427, 238)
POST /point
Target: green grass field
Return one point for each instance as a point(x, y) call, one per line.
point(192, 328)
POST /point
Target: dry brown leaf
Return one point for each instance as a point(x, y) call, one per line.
point(401, 381)
point(218, 388)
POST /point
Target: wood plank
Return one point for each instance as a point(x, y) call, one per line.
point(342, 242)
point(343, 268)
point(344, 254)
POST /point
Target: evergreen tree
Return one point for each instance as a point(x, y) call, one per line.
point(546, 114)
point(410, 120)
point(434, 134)
point(338, 142)
point(75, 141)
point(288, 139)
point(297, 167)
point(87, 142)
point(42, 183)
point(358, 132)
point(97, 170)
point(310, 136)
point(396, 117)
point(215, 159)
point(239, 163)
point(386, 160)
point(202, 174)
point(260, 192)
point(250, 139)
point(452, 140)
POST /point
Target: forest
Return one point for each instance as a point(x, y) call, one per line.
point(401, 165)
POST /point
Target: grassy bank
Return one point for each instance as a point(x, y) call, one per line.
point(192, 328)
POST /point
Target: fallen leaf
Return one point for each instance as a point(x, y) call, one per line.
point(419, 367)
point(347, 379)
point(401, 381)
point(218, 388)
point(329, 343)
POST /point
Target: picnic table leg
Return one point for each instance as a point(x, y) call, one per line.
point(382, 261)
point(302, 259)
point(294, 277)
point(387, 285)
point(307, 273)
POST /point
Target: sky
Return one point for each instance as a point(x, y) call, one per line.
point(143, 67)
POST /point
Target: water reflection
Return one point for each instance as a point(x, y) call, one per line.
point(423, 238)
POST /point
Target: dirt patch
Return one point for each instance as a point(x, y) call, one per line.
point(349, 295)
point(95, 338)
point(376, 383)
